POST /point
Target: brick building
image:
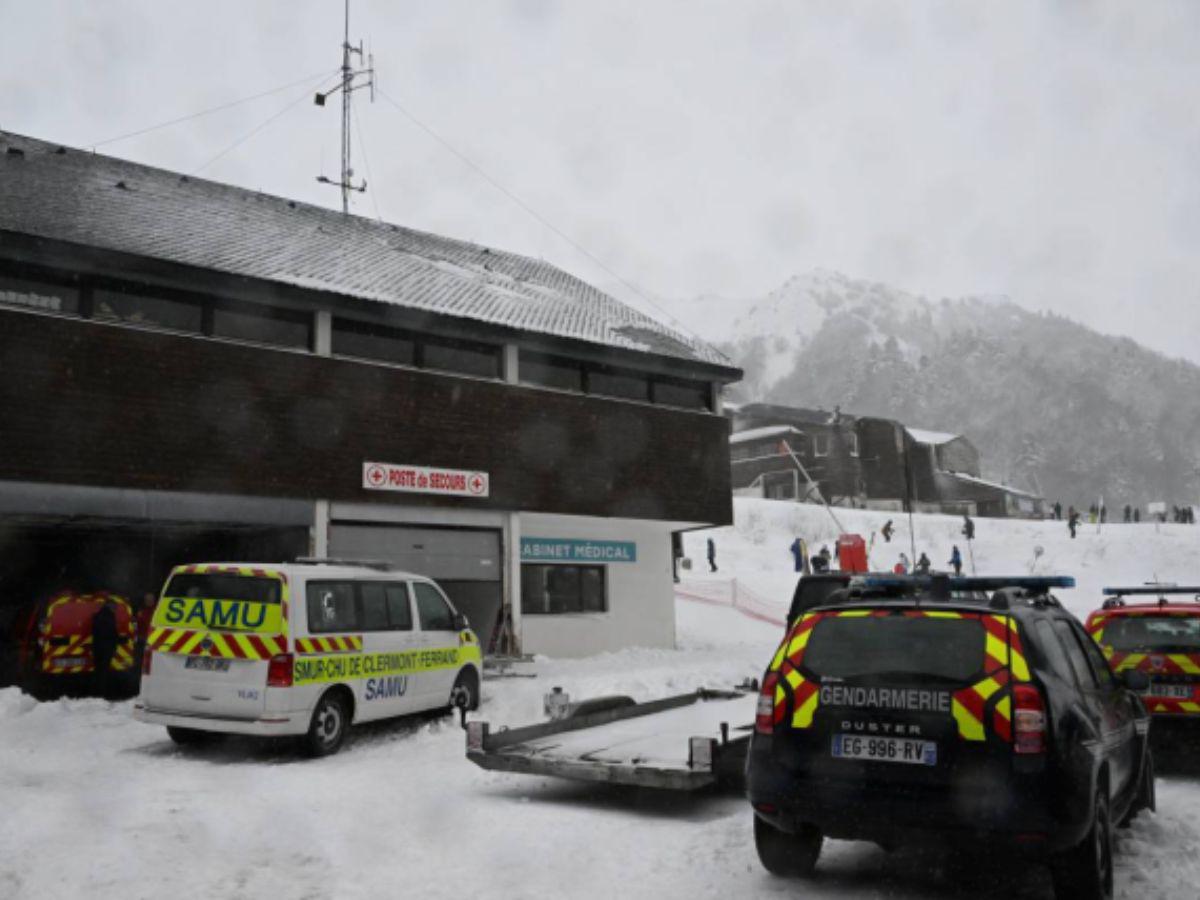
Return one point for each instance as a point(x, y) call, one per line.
point(196, 371)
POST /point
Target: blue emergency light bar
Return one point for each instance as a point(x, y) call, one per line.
point(968, 583)
point(1153, 590)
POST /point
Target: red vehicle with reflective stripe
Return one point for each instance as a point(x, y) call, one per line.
point(947, 712)
point(1159, 637)
point(55, 638)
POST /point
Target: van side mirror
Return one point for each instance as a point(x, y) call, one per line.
point(1135, 680)
point(460, 622)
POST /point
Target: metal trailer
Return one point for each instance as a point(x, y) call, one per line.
point(687, 742)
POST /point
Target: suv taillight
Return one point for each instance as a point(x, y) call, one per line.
point(764, 717)
point(279, 671)
point(1029, 720)
point(147, 655)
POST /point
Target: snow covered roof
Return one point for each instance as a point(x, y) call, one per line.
point(754, 434)
point(921, 436)
point(973, 479)
point(99, 201)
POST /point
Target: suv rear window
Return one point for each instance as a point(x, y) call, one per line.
point(896, 646)
point(1165, 634)
point(225, 587)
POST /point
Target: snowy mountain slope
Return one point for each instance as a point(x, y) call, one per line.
point(1053, 406)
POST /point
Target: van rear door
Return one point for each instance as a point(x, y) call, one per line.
point(213, 634)
point(910, 698)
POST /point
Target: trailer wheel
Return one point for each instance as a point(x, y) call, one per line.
point(784, 854)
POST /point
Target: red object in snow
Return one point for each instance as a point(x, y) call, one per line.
point(852, 553)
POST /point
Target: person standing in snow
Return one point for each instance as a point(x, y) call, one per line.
point(1057, 511)
point(799, 557)
point(1073, 522)
point(712, 555)
point(104, 645)
point(1128, 513)
point(1137, 515)
point(968, 528)
point(923, 564)
point(820, 562)
point(956, 560)
point(887, 531)
point(901, 566)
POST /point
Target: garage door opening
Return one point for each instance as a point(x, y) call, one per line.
point(466, 562)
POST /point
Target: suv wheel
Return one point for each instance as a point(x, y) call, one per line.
point(330, 722)
point(1085, 872)
point(788, 855)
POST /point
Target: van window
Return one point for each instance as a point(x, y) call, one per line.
point(399, 608)
point(374, 606)
point(435, 614)
point(331, 607)
point(224, 587)
point(896, 648)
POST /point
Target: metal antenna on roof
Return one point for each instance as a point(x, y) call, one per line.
point(348, 86)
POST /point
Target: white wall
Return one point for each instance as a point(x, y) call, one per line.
point(641, 595)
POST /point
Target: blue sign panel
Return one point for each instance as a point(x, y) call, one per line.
point(536, 549)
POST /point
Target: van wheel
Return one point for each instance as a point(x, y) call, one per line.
point(787, 855)
point(1085, 872)
point(190, 737)
point(330, 722)
point(465, 693)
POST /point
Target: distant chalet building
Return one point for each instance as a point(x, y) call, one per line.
point(863, 461)
point(193, 371)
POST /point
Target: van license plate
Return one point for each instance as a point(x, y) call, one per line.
point(1170, 691)
point(885, 749)
point(207, 664)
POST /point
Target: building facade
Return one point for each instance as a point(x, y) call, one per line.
point(790, 453)
point(197, 372)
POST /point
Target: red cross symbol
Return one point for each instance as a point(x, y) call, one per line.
point(476, 484)
point(376, 476)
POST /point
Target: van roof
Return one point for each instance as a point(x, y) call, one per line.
point(328, 568)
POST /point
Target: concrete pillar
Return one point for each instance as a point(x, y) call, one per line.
point(323, 332)
point(512, 575)
point(511, 364)
point(718, 403)
point(318, 544)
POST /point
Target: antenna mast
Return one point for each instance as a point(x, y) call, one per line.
point(365, 79)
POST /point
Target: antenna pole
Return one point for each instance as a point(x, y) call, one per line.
point(347, 79)
point(347, 86)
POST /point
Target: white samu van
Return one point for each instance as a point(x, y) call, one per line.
point(304, 649)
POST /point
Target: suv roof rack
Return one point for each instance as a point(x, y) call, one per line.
point(381, 565)
point(1151, 588)
point(939, 587)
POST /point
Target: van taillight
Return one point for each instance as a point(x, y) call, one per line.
point(279, 671)
point(1029, 720)
point(764, 717)
point(147, 655)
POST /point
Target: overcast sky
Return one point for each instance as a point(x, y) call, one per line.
point(1045, 150)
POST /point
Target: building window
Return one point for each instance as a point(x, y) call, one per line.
point(144, 309)
point(555, 589)
point(551, 372)
point(262, 325)
point(852, 443)
point(461, 357)
point(617, 383)
point(820, 445)
point(687, 394)
point(366, 341)
point(39, 295)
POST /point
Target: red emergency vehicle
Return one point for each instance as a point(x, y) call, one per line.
point(55, 638)
point(1153, 629)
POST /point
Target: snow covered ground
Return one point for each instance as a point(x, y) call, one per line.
point(97, 805)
